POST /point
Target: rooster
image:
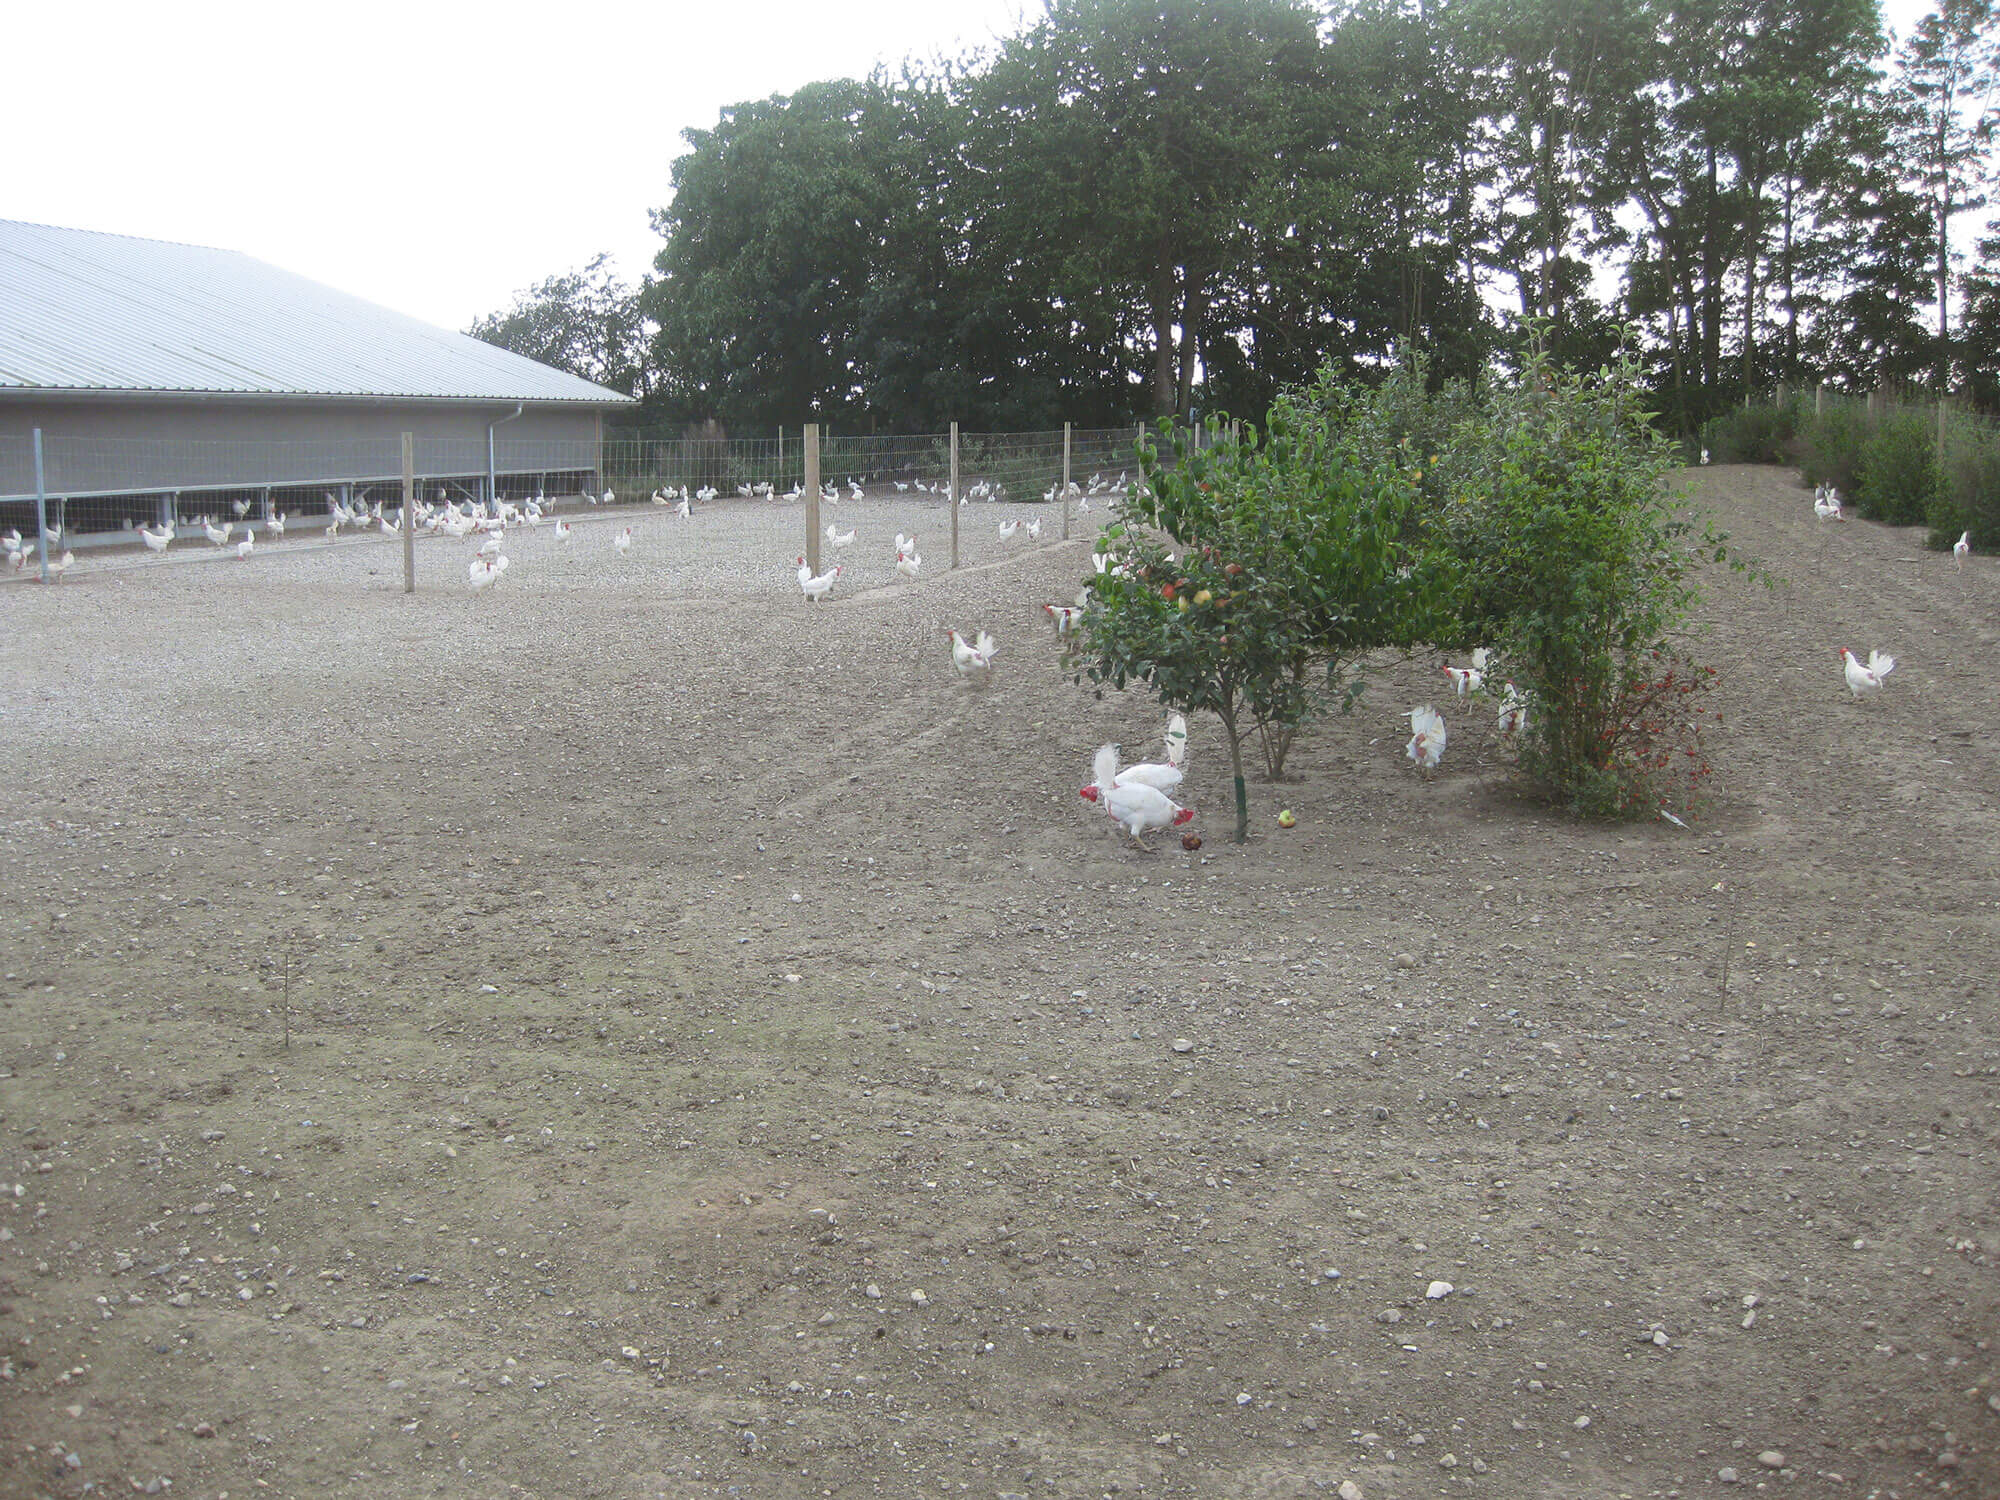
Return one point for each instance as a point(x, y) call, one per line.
point(276, 525)
point(1065, 617)
point(623, 541)
point(907, 563)
point(976, 657)
point(1134, 806)
point(1008, 528)
point(61, 565)
point(1427, 737)
point(682, 508)
point(1513, 711)
point(1961, 549)
point(906, 546)
point(838, 537)
point(1865, 679)
point(1466, 679)
point(156, 541)
point(815, 588)
point(563, 531)
point(1826, 504)
point(248, 545)
point(491, 546)
point(1034, 531)
point(219, 535)
point(486, 571)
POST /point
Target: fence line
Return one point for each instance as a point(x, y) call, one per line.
point(109, 484)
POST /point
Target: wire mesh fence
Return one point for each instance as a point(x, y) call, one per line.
point(105, 484)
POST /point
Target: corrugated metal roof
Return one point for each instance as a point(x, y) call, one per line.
point(83, 311)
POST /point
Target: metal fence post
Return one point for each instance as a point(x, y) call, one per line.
point(41, 507)
point(951, 497)
point(811, 488)
point(409, 513)
point(1065, 481)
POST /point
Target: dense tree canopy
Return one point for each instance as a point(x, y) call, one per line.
point(1140, 207)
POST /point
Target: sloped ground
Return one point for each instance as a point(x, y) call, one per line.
point(670, 967)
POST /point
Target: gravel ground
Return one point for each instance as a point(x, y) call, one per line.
point(633, 1033)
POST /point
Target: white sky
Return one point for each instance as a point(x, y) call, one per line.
point(433, 157)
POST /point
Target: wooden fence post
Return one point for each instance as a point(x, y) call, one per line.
point(951, 497)
point(811, 488)
point(409, 513)
point(1065, 481)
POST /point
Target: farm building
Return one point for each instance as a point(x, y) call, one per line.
point(169, 380)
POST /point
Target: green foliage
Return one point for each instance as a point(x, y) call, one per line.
point(1899, 477)
point(587, 322)
point(1971, 496)
point(1752, 435)
point(1259, 569)
point(1576, 568)
point(1831, 448)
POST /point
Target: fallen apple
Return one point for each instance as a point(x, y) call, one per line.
point(1286, 820)
point(1190, 841)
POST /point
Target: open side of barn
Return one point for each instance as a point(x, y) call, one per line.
point(171, 380)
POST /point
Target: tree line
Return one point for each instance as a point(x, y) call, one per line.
point(1143, 207)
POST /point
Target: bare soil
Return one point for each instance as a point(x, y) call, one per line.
point(635, 1034)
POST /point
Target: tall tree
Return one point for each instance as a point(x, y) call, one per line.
point(1947, 78)
point(1126, 142)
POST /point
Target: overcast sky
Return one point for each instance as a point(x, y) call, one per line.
point(433, 157)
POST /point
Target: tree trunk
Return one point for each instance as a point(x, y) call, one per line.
point(1194, 307)
point(1236, 767)
point(1163, 339)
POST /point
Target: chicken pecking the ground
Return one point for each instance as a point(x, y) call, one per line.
point(1427, 737)
point(1134, 806)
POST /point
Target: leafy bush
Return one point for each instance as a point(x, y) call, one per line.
point(1752, 435)
point(1576, 566)
point(1899, 474)
point(1971, 501)
point(1833, 445)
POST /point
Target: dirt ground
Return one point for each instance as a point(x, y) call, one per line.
point(635, 1034)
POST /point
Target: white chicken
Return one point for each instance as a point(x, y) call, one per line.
point(486, 571)
point(248, 545)
point(1065, 617)
point(1513, 711)
point(1865, 679)
point(907, 563)
point(219, 535)
point(623, 541)
point(682, 508)
point(976, 656)
point(1008, 528)
point(491, 546)
point(906, 546)
point(1826, 504)
point(1961, 549)
point(815, 588)
point(1134, 806)
point(1466, 679)
point(276, 525)
point(62, 564)
point(1034, 531)
point(1427, 737)
point(156, 541)
point(840, 538)
point(563, 531)
point(1163, 777)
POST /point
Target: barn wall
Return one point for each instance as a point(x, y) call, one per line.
point(139, 445)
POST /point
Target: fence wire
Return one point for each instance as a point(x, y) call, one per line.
point(100, 484)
